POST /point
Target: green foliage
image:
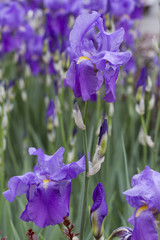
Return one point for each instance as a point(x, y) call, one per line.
point(124, 155)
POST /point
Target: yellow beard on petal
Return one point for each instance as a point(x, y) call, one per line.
point(45, 183)
point(81, 59)
point(141, 209)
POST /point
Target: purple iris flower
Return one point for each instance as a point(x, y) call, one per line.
point(145, 197)
point(12, 15)
point(63, 7)
point(12, 25)
point(131, 66)
point(98, 57)
point(34, 48)
point(50, 111)
point(98, 211)
point(121, 7)
point(142, 79)
point(131, 8)
point(158, 80)
point(47, 188)
point(144, 227)
point(94, 5)
point(127, 23)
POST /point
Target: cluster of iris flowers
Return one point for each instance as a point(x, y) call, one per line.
point(85, 56)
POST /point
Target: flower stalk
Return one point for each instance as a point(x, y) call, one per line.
point(2, 170)
point(145, 146)
point(157, 126)
point(86, 178)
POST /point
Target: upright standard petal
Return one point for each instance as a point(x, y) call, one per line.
point(82, 25)
point(46, 162)
point(110, 41)
point(145, 190)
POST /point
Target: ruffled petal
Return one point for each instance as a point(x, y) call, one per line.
point(46, 162)
point(115, 58)
point(18, 185)
point(145, 190)
point(70, 171)
point(110, 42)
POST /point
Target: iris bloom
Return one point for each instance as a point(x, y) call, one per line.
point(98, 57)
point(98, 211)
point(47, 188)
point(145, 197)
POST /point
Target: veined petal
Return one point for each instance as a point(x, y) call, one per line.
point(144, 227)
point(48, 205)
point(83, 80)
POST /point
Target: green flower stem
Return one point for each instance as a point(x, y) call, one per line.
point(111, 236)
point(2, 168)
point(145, 146)
point(155, 149)
point(86, 178)
point(98, 107)
point(148, 112)
point(148, 119)
point(62, 124)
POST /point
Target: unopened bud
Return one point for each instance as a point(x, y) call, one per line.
point(27, 71)
point(152, 102)
point(123, 233)
point(111, 109)
point(24, 96)
point(155, 43)
point(5, 121)
point(140, 108)
point(98, 212)
point(103, 137)
point(149, 84)
point(48, 80)
point(21, 84)
point(145, 139)
point(98, 157)
point(2, 93)
point(78, 117)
